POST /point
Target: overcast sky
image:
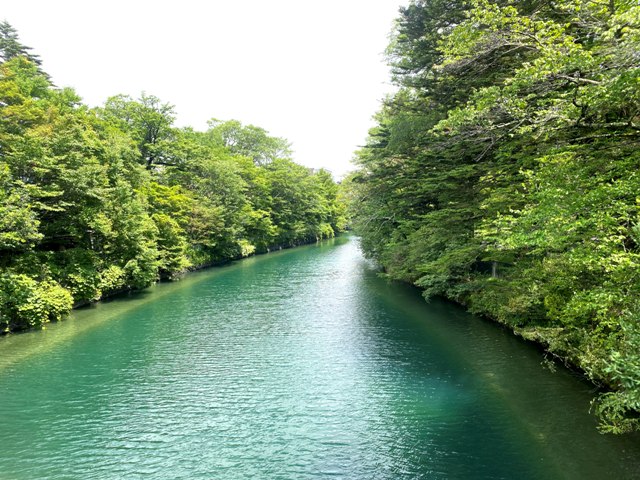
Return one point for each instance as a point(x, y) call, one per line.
point(310, 71)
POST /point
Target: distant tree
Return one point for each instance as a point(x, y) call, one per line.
point(250, 141)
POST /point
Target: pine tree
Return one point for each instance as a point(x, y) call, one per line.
point(11, 47)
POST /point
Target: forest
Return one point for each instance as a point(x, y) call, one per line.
point(97, 201)
point(504, 174)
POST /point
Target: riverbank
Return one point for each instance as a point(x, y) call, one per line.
point(562, 345)
point(181, 275)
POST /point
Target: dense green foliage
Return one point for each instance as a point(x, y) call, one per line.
point(505, 174)
point(96, 201)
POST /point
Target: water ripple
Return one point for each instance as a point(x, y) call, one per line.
point(297, 365)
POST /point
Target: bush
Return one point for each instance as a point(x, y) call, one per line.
point(112, 279)
point(26, 303)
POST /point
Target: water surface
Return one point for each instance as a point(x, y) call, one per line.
point(300, 364)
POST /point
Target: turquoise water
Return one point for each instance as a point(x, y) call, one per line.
point(300, 364)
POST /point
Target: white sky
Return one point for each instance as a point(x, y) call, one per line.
point(312, 72)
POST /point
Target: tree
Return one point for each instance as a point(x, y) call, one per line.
point(19, 225)
point(249, 141)
point(148, 121)
point(11, 47)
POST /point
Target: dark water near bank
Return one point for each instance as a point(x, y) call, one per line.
point(295, 365)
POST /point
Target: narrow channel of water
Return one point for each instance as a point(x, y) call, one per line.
point(294, 365)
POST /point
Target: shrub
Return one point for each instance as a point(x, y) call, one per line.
point(26, 303)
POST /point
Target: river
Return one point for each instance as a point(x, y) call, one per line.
point(300, 364)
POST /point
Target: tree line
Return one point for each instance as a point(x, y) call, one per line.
point(95, 201)
point(504, 174)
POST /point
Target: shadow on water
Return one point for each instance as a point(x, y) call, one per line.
point(549, 411)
